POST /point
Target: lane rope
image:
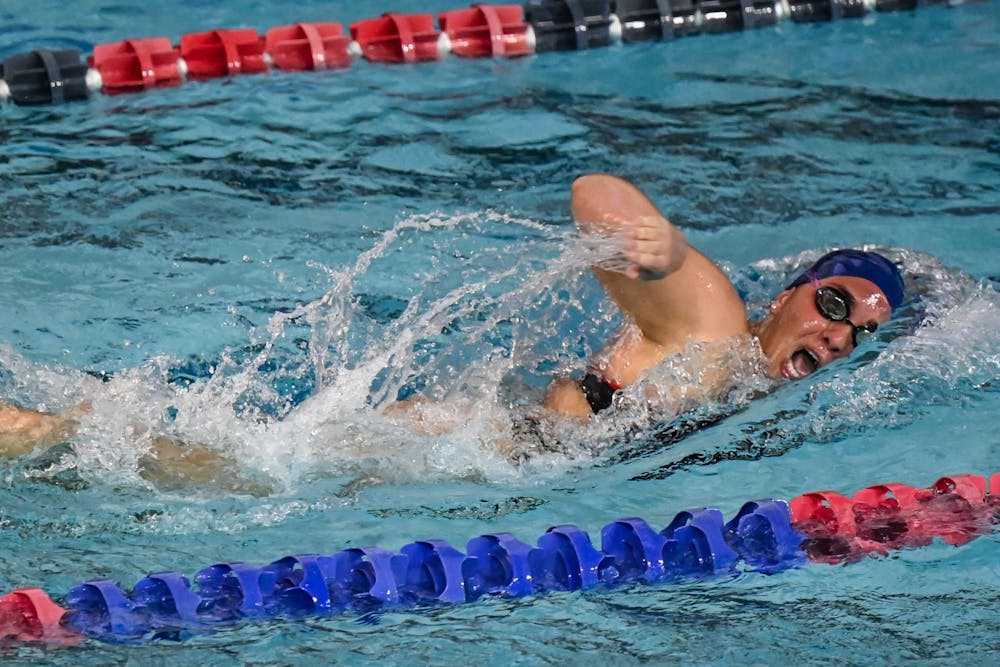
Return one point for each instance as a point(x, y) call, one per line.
point(481, 31)
point(765, 536)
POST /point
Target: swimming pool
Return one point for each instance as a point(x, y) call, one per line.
point(148, 242)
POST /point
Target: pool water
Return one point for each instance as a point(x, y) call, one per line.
point(262, 264)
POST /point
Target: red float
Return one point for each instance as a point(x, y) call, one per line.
point(892, 516)
point(29, 614)
point(397, 38)
point(223, 53)
point(892, 496)
point(828, 508)
point(970, 487)
point(308, 46)
point(482, 31)
point(136, 64)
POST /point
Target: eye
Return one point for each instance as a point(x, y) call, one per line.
point(832, 304)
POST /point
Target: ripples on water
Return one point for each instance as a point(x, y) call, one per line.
point(421, 144)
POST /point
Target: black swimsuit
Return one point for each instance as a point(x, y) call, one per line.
point(598, 391)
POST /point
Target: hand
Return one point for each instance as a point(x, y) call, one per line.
point(172, 465)
point(649, 246)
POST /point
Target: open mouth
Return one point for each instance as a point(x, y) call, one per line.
point(802, 363)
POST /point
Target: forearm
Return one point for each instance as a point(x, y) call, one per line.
point(649, 278)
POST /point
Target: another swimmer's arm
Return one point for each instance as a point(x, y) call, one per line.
point(21, 430)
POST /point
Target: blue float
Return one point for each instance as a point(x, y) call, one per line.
point(497, 564)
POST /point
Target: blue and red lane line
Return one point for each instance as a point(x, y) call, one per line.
point(764, 536)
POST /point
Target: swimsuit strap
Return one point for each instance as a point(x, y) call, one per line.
point(598, 391)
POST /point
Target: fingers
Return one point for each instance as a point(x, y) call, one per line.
point(647, 234)
point(649, 227)
point(646, 244)
point(645, 247)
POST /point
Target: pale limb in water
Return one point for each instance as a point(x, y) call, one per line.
point(22, 430)
point(169, 464)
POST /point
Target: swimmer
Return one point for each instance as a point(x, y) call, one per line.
point(674, 297)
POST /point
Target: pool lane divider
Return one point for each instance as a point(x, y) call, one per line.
point(765, 536)
point(481, 31)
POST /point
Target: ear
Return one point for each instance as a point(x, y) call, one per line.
point(781, 299)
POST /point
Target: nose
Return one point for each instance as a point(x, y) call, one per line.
point(839, 338)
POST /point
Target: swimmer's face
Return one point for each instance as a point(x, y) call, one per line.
point(798, 338)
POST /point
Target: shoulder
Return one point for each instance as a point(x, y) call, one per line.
point(706, 306)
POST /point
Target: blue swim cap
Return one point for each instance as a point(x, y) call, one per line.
point(860, 264)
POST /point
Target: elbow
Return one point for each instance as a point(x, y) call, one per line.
point(565, 397)
point(579, 193)
point(583, 182)
point(584, 185)
point(594, 198)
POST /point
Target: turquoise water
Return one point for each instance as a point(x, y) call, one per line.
point(257, 264)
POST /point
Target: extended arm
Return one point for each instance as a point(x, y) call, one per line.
point(21, 430)
point(169, 464)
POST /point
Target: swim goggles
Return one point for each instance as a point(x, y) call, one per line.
point(835, 305)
